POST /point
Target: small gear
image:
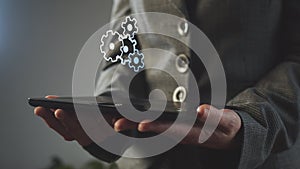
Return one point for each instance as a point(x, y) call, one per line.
point(129, 27)
point(136, 60)
point(110, 47)
point(129, 46)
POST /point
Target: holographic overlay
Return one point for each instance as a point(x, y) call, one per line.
point(102, 133)
point(115, 46)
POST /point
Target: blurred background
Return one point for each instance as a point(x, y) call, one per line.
point(39, 44)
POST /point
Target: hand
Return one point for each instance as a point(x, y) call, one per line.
point(64, 123)
point(224, 137)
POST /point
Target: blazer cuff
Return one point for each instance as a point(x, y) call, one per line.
point(253, 137)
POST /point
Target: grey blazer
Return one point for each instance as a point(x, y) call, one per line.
point(259, 45)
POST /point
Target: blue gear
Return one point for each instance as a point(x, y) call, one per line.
point(136, 60)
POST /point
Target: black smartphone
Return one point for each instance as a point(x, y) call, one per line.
point(105, 104)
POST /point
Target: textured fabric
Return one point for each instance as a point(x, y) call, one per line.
point(259, 44)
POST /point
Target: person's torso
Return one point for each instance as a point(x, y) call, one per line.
point(246, 35)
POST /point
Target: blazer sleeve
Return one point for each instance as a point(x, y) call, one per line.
point(270, 110)
point(104, 81)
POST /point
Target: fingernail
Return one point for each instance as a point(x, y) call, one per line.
point(118, 127)
point(142, 127)
point(206, 110)
point(198, 109)
point(36, 112)
point(41, 112)
point(59, 114)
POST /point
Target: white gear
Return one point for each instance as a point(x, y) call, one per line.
point(115, 46)
point(109, 44)
point(136, 60)
point(129, 27)
point(129, 46)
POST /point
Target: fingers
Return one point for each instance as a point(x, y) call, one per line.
point(211, 117)
point(52, 122)
point(229, 120)
point(189, 135)
point(204, 110)
point(72, 125)
point(64, 123)
point(156, 126)
point(228, 126)
point(159, 126)
point(51, 96)
point(124, 124)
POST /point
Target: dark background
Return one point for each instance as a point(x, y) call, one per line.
point(39, 43)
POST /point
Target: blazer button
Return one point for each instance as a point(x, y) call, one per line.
point(183, 28)
point(179, 94)
point(182, 63)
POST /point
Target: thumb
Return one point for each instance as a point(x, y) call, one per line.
point(204, 110)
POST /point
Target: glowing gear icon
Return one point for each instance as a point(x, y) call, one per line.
point(111, 43)
point(115, 46)
point(129, 46)
point(129, 27)
point(136, 60)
